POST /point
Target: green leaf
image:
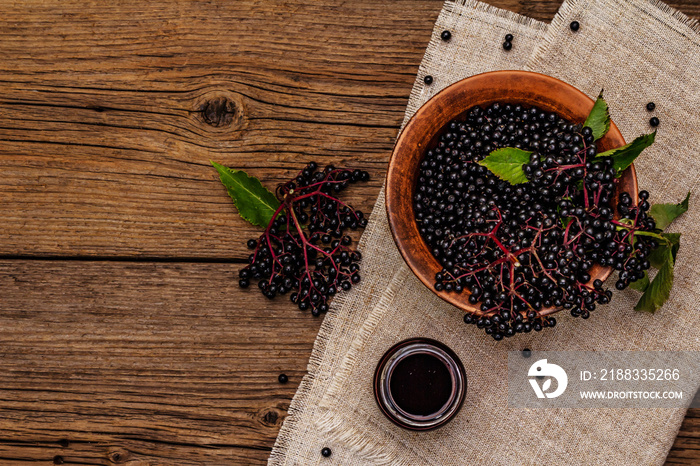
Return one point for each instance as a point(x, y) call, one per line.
point(253, 201)
point(599, 118)
point(507, 164)
point(642, 284)
point(625, 155)
point(664, 214)
point(671, 242)
point(659, 289)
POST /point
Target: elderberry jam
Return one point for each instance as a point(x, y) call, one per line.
point(420, 384)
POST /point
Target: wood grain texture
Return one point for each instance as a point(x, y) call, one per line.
point(170, 363)
point(107, 125)
point(108, 362)
point(124, 339)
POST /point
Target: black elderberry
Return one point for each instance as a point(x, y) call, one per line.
point(304, 250)
point(509, 38)
point(507, 45)
point(282, 378)
point(446, 35)
point(252, 243)
point(520, 250)
point(651, 106)
point(326, 452)
point(428, 79)
point(653, 121)
point(574, 26)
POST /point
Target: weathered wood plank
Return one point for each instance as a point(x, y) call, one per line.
point(168, 362)
point(686, 448)
point(107, 125)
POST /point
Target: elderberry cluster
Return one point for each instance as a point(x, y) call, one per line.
point(633, 261)
point(525, 251)
point(304, 250)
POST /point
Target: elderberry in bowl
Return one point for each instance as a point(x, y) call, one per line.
point(511, 253)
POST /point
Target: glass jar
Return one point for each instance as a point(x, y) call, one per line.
point(420, 384)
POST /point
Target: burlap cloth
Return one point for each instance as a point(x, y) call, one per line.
point(638, 51)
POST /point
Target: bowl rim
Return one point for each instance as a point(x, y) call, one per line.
point(439, 102)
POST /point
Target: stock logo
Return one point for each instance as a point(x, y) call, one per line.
point(542, 370)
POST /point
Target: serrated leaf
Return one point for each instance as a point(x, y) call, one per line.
point(625, 155)
point(642, 284)
point(658, 256)
point(664, 214)
point(659, 289)
point(254, 202)
point(599, 118)
point(507, 164)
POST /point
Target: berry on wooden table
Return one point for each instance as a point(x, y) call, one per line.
point(304, 250)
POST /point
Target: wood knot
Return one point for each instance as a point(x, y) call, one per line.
point(218, 111)
point(118, 456)
point(270, 417)
point(58, 459)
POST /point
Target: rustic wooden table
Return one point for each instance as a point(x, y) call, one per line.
point(125, 338)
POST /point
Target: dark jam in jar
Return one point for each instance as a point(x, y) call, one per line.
point(420, 384)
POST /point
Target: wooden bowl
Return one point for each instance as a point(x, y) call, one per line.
point(423, 130)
